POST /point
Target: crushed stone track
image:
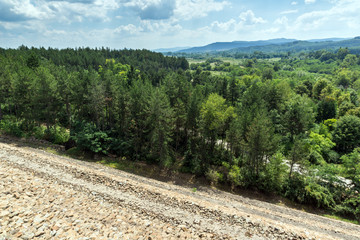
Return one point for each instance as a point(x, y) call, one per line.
point(162, 210)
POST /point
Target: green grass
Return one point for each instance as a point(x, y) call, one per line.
point(121, 164)
point(232, 61)
point(340, 218)
point(191, 60)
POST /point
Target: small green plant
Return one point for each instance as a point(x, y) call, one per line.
point(194, 189)
point(214, 176)
point(10, 125)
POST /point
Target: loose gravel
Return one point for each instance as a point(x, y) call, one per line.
point(45, 196)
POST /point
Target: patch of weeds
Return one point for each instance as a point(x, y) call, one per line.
point(340, 218)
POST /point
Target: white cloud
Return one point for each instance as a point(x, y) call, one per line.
point(248, 18)
point(153, 9)
point(344, 11)
point(73, 11)
point(228, 26)
point(186, 9)
point(128, 29)
point(58, 11)
point(161, 27)
point(289, 12)
point(282, 21)
point(280, 25)
point(177, 9)
point(294, 3)
point(340, 19)
point(29, 10)
point(55, 33)
point(11, 25)
point(310, 1)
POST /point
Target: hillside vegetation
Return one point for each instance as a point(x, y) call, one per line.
point(289, 125)
point(281, 47)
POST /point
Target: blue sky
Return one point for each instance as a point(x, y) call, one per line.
point(155, 24)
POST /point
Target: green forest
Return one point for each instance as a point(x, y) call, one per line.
point(287, 124)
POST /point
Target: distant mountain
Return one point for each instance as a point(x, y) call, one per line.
point(298, 46)
point(165, 50)
point(328, 40)
point(224, 46)
point(275, 45)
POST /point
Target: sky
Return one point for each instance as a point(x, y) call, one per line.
point(154, 24)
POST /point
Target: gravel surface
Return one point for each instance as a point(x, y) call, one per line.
point(45, 196)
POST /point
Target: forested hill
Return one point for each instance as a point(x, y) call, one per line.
point(298, 46)
point(277, 45)
point(224, 46)
point(86, 58)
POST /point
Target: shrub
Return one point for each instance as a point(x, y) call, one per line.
point(10, 125)
point(347, 133)
point(333, 157)
point(214, 176)
point(308, 191)
point(294, 188)
point(57, 135)
point(318, 195)
point(87, 137)
point(274, 175)
point(238, 177)
point(350, 208)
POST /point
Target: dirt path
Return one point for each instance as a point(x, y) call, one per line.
point(45, 196)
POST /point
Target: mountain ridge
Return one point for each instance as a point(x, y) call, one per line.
point(224, 46)
point(247, 46)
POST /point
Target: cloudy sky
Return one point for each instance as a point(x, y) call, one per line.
point(155, 24)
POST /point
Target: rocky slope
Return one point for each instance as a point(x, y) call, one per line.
point(44, 196)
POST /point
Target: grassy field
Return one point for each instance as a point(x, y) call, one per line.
point(232, 61)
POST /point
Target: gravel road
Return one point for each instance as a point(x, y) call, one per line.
point(45, 196)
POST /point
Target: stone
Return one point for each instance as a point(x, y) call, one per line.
point(39, 233)
point(4, 214)
point(38, 219)
point(53, 233)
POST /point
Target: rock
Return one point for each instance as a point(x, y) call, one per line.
point(55, 228)
point(53, 233)
point(38, 219)
point(18, 234)
point(248, 234)
point(4, 214)
point(28, 236)
point(196, 221)
point(39, 233)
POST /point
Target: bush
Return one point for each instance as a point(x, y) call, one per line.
point(318, 195)
point(306, 190)
point(239, 176)
point(57, 135)
point(294, 188)
point(273, 177)
point(235, 176)
point(347, 133)
point(87, 137)
point(10, 125)
point(350, 208)
point(214, 176)
point(333, 157)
